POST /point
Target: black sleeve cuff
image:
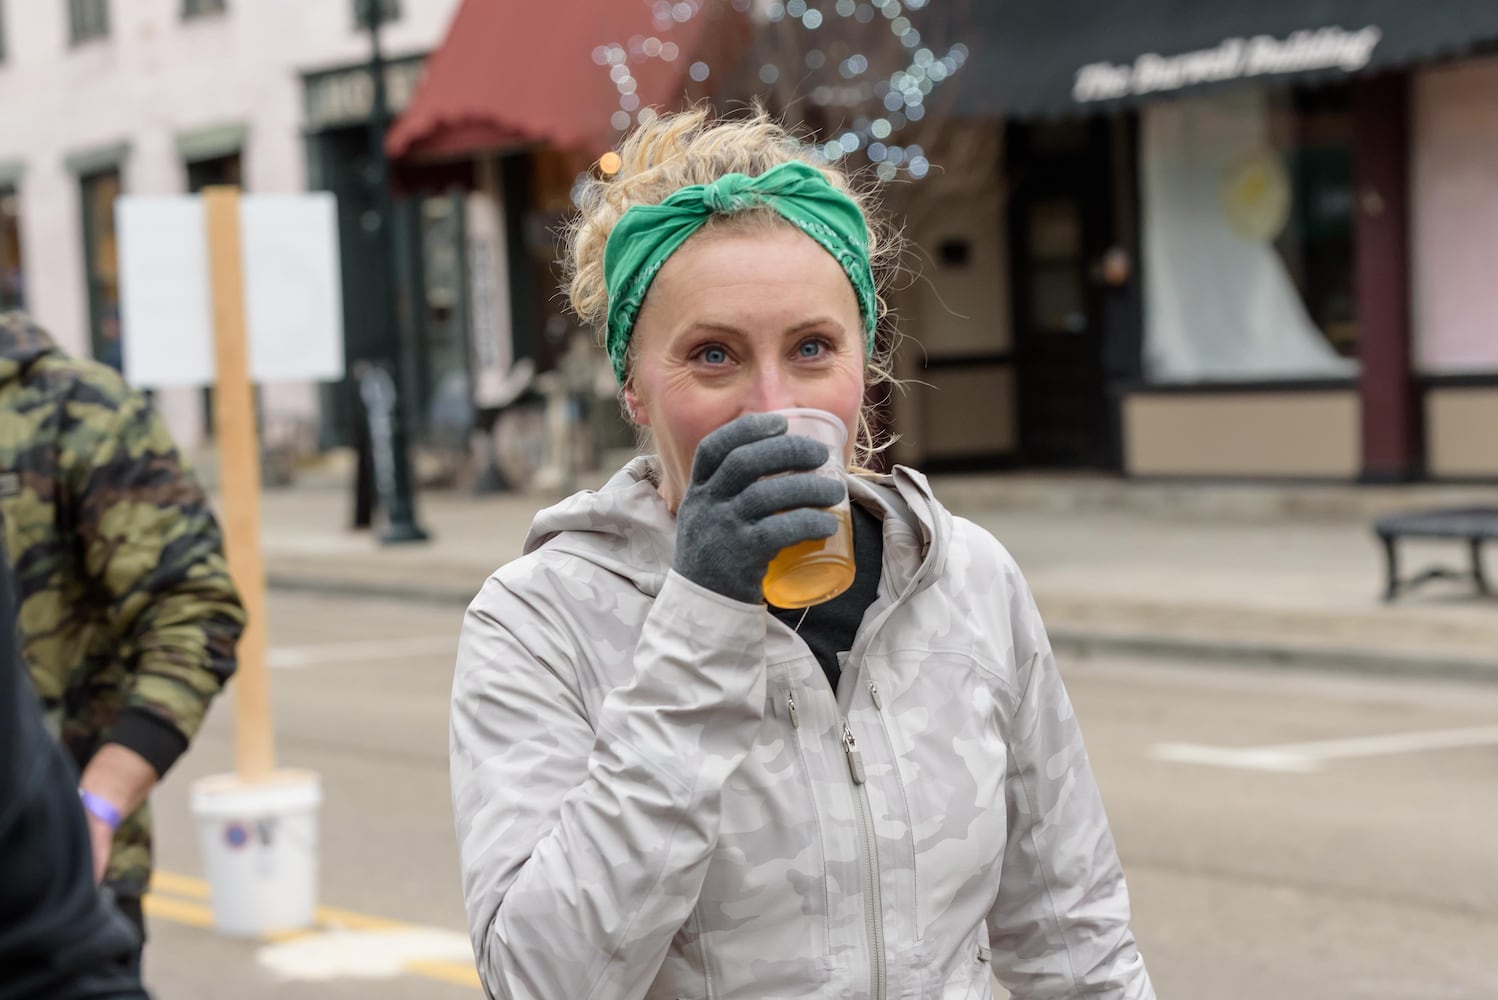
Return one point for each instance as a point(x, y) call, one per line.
point(155, 739)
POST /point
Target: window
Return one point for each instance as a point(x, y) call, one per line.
point(390, 10)
point(1312, 130)
point(218, 170)
point(225, 169)
point(101, 258)
point(88, 19)
point(12, 270)
point(199, 8)
point(1248, 236)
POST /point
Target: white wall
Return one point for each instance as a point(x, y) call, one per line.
point(153, 78)
point(1455, 180)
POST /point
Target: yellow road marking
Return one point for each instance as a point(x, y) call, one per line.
point(179, 885)
point(177, 911)
point(448, 972)
point(194, 914)
point(331, 917)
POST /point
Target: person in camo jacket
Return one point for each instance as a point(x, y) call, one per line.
point(664, 788)
point(128, 619)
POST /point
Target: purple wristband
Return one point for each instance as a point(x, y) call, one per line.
point(100, 809)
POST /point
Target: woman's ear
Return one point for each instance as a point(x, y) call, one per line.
point(634, 407)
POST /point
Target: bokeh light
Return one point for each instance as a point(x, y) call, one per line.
point(833, 77)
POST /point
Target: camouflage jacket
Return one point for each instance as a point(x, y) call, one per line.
point(128, 618)
point(658, 794)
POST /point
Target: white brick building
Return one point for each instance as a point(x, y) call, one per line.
point(99, 97)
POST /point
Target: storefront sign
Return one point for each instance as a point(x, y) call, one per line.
point(1232, 59)
point(346, 96)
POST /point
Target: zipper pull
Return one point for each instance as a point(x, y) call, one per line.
point(874, 693)
point(790, 702)
point(855, 759)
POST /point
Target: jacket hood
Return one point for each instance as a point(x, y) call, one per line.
point(625, 528)
point(21, 343)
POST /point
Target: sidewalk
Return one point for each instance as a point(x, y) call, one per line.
point(1285, 576)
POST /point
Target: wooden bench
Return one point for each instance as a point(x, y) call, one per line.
point(1474, 525)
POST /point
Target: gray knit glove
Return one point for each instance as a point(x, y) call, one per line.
point(732, 520)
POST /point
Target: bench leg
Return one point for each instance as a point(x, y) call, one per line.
point(1478, 576)
point(1391, 569)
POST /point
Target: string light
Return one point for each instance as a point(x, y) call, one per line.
point(901, 96)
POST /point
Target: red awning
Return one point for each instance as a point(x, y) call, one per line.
point(514, 72)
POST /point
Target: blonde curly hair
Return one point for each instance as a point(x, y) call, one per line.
point(693, 147)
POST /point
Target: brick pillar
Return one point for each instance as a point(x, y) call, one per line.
point(1392, 447)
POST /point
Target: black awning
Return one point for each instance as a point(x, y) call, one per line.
point(1060, 57)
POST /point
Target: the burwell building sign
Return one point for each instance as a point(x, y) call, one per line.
point(1232, 59)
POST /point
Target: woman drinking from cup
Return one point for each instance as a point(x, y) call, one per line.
point(872, 786)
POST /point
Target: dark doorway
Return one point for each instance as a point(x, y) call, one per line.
point(1060, 220)
point(342, 165)
point(430, 318)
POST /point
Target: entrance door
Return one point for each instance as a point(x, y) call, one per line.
point(1060, 222)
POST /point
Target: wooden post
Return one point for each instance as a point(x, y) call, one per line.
point(239, 481)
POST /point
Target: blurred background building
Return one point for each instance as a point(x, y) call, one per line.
point(104, 97)
point(1164, 239)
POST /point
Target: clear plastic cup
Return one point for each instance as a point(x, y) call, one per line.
point(812, 572)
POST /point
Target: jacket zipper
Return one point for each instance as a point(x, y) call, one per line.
point(868, 847)
point(868, 858)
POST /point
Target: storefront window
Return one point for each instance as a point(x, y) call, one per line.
point(12, 268)
point(1312, 129)
point(1248, 237)
point(101, 254)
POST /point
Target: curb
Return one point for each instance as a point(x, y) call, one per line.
point(1067, 641)
point(297, 583)
point(1348, 661)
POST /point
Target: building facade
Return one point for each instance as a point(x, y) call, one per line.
point(104, 97)
point(1246, 243)
point(1250, 243)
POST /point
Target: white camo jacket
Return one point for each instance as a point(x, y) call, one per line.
point(658, 795)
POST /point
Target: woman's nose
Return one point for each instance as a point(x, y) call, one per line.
point(772, 391)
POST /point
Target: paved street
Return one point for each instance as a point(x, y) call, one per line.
point(1273, 846)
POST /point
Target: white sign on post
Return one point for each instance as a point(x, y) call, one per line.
point(166, 311)
point(293, 293)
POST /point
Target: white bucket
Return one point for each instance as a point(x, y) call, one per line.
point(259, 844)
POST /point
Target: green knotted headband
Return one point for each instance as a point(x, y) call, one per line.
point(647, 235)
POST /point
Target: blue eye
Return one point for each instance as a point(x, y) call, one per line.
point(715, 355)
point(811, 348)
